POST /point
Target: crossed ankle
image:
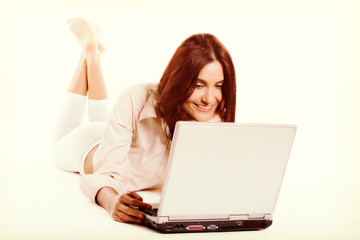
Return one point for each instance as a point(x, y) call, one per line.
point(91, 47)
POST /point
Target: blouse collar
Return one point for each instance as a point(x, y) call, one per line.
point(149, 108)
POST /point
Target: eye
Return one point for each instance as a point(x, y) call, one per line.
point(199, 85)
point(219, 85)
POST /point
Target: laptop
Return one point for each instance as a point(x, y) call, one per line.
point(222, 177)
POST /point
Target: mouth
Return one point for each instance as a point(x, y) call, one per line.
point(203, 108)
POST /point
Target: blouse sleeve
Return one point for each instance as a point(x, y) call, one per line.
point(111, 155)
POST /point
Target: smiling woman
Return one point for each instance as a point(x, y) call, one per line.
point(198, 84)
point(127, 151)
point(207, 95)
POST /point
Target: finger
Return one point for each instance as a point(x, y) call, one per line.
point(126, 199)
point(116, 216)
point(118, 219)
point(135, 195)
point(130, 211)
point(126, 218)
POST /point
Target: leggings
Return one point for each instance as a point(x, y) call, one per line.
point(73, 139)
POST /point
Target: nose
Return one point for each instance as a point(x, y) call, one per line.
point(209, 96)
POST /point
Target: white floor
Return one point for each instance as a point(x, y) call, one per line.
point(296, 62)
point(43, 202)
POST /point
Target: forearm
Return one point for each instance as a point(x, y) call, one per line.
point(105, 196)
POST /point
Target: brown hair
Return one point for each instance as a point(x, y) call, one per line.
point(179, 78)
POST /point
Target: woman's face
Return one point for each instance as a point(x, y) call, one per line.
point(202, 104)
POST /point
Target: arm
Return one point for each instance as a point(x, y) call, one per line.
point(106, 186)
point(118, 206)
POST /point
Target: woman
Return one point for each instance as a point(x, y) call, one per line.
point(129, 152)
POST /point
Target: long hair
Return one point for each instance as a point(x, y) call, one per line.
point(179, 78)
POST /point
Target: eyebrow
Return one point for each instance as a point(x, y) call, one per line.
point(205, 82)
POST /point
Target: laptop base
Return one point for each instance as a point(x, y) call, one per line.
point(208, 226)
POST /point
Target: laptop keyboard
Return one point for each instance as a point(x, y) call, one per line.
point(151, 212)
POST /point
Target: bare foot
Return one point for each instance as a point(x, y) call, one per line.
point(101, 46)
point(88, 34)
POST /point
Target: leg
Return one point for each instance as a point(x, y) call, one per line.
point(95, 79)
point(98, 106)
point(78, 84)
point(72, 110)
point(87, 79)
point(88, 35)
point(69, 152)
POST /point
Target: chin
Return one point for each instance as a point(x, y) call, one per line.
point(203, 118)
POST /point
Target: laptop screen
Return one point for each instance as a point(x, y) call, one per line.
point(222, 169)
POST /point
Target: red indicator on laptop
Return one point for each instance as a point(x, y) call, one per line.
point(195, 227)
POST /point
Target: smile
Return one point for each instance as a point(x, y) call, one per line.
point(203, 108)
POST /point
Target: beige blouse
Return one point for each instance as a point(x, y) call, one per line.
point(134, 149)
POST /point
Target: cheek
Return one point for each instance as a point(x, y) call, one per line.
point(219, 96)
point(195, 96)
point(186, 106)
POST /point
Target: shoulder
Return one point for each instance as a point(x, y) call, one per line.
point(138, 94)
point(135, 96)
point(139, 91)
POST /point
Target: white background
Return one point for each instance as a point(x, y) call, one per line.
point(296, 62)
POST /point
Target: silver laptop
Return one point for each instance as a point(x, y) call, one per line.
point(222, 177)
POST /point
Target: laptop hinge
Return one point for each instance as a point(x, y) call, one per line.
point(163, 219)
point(251, 216)
point(268, 217)
point(256, 216)
point(239, 217)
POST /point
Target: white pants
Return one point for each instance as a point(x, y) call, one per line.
point(73, 140)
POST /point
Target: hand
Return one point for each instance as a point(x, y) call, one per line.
point(121, 211)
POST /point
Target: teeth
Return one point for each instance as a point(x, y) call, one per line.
point(205, 108)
